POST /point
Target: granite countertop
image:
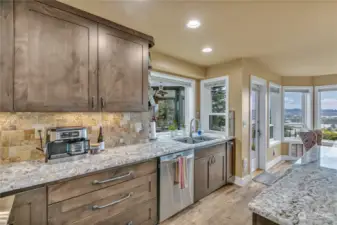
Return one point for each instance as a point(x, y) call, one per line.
point(17, 177)
point(306, 195)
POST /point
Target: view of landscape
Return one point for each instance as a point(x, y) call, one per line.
point(294, 114)
point(218, 95)
point(328, 114)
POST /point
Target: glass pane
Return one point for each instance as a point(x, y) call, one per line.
point(271, 131)
point(217, 123)
point(170, 107)
point(293, 112)
point(218, 94)
point(292, 130)
point(328, 114)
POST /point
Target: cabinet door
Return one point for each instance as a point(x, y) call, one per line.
point(55, 60)
point(123, 71)
point(217, 171)
point(230, 160)
point(6, 55)
point(29, 208)
point(200, 178)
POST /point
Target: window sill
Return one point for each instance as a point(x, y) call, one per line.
point(292, 140)
point(273, 143)
point(328, 143)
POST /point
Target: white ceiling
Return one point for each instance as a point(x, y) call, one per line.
point(291, 38)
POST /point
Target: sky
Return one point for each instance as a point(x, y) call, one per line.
point(329, 100)
point(292, 100)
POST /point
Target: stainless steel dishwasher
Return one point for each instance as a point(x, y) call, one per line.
point(172, 198)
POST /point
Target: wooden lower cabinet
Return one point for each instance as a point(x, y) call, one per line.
point(259, 220)
point(217, 171)
point(29, 208)
point(142, 214)
point(109, 204)
point(213, 166)
point(230, 160)
point(80, 186)
point(201, 178)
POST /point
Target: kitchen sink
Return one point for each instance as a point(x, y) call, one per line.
point(194, 140)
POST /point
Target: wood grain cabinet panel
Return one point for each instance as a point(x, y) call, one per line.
point(55, 60)
point(75, 187)
point(6, 55)
point(230, 160)
point(105, 203)
point(217, 171)
point(201, 178)
point(142, 214)
point(210, 170)
point(30, 208)
point(123, 71)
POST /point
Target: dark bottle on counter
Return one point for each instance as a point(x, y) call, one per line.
point(100, 139)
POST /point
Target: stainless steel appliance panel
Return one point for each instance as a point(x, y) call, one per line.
point(172, 199)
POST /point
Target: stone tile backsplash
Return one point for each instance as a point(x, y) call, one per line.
point(19, 131)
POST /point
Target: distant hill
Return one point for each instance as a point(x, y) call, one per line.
point(329, 112)
point(324, 112)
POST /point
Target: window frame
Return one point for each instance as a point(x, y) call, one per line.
point(307, 107)
point(206, 110)
point(190, 91)
point(317, 108)
point(278, 131)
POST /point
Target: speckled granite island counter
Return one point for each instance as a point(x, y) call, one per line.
point(22, 176)
point(306, 195)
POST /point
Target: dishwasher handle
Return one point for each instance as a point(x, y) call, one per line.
point(176, 160)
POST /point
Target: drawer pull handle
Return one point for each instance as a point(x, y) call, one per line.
point(112, 179)
point(95, 207)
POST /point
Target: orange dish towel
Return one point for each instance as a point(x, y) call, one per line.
point(181, 172)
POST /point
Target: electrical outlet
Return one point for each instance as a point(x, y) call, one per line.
point(38, 127)
point(274, 151)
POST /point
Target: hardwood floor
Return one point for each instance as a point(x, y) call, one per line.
point(226, 206)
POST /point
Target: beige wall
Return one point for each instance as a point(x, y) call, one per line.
point(164, 63)
point(297, 81)
point(277, 152)
point(239, 72)
point(255, 68)
point(325, 80)
point(234, 71)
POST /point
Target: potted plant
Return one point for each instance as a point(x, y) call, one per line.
point(172, 128)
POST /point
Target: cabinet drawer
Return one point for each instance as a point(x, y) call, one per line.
point(141, 214)
point(80, 186)
point(105, 203)
point(204, 152)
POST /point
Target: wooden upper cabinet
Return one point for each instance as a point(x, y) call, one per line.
point(123, 71)
point(55, 60)
point(6, 55)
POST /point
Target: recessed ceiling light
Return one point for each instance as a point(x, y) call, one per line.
point(193, 24)
point(207, 50)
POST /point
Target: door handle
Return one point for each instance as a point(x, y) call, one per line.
point(102, 103)
point(112, 179)
point(95, 207)
point(92, 102)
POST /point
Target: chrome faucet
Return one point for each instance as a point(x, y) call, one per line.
point(191, 131)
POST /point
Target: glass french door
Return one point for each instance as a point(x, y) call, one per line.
point(255, 127)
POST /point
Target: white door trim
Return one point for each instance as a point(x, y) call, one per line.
point(263, 122)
